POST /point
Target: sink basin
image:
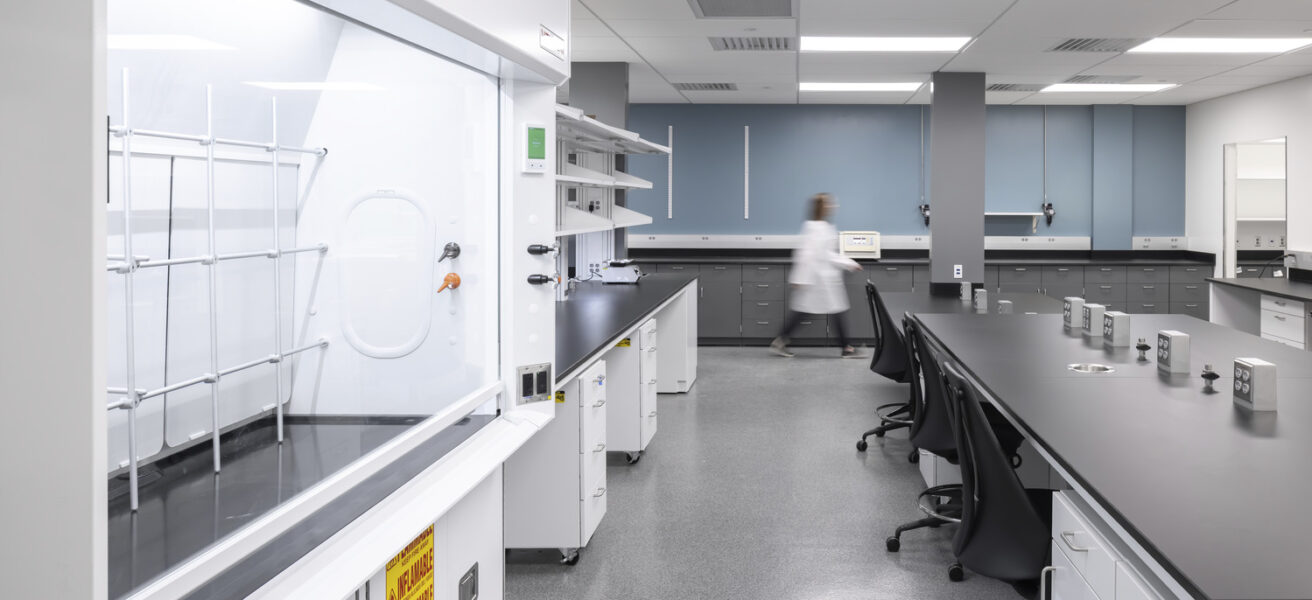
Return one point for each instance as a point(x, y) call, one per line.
point(1090, 368)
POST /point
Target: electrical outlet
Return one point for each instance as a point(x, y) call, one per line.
point(1116, 329)
point(1255, 384)
point(1092, 324)
point(1172, 351)
point(1072, 311)
point(956, 272)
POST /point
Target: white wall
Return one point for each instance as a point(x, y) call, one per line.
point(52, 354)
point(1277, 110)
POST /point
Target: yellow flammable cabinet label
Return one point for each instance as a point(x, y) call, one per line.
point(624, 343)
point(410, 573)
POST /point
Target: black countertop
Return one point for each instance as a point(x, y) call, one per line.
point(1277, 286)
point(1217, 493)
point(596, 313)
point(783, 260)
point(900, 303)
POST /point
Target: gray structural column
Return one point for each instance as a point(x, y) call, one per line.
point(956, 181)
point(601, 89)
point(1113, 177)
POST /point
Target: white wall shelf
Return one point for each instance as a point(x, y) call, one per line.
point(574, 221)
point(573, 175)
point(586, 133)
point(1032, 216)
point(623, 217)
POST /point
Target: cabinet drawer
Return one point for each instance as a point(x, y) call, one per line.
point(759, 290)
point(1249, 272)
point(991, 277)
point(715, 273)
point(763, 310)
point(1062, 276)
point(1147, 292)
point(762, 328)
point(1290, 343)
point(890, 278)
point(1146, 308)
point(1104, 293)
point(1066, 583)
point(592, 505)
point(766, 273)
point(592, 470)
point(677, 268)
point(1189, 292)
point(1156, 274)
point(1012, 275)
point(1086, 550)
point(1193, 309)
point(647, 412)
point(1283, 325)
point(920, 276)
point(1104, 274)
point(1282, 305)
point(1018, 288)
point(812, 327)
point(1062, 292)
point(1190, 274)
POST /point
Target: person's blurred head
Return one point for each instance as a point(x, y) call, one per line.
point(821, 206)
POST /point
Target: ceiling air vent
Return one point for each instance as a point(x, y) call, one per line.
point(742, 9)
point(1015, 87)
point(1096, 45)
point(752, 44)
point(706, 87)
point(1101, 79)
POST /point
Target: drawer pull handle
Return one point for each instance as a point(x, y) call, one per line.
point(762, 285)
point(721, 268)
point(1018, 269)
point(763, 304)
point(1105, 287)
point(652, 349)
point(1279, 302)
point(1043, 581)
point(1149, 270)
point(1105, 269)
point(1190, 287)
point(762, 268)
point(599, 403)
point(601, 491)
point(1150, 306)
point(1279, 317)
point(1191, 306)
point(1149, 287)
point(1062, 269)
point(652, 382)
point(762, 322)
point(1069, 538)
point(600, 448)
point(676, 268)
point(651, 414)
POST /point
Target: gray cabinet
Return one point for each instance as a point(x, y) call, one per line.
point(890, 278)
point(859, 320)
point(1014, 279)
point(1063, 281)
point(719, 305)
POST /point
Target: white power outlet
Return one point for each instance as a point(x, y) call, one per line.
point(956, 272)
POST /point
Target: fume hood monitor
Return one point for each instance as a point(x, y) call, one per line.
point(859, 244)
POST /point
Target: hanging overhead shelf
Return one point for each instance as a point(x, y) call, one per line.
point(574, 221)
point(623, 217)
point(572, 175)
point(1032, 216)
point(586, 133)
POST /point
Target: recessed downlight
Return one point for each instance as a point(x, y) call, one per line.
point(1189, 45)
point(812, 43)
point(1143, 88)
point(814, 86)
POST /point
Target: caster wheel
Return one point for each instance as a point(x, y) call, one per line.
point(632, 457)
point(861, 445)
point(892, 544)
point(956, 573)
point(879, 434)
point(570, 558)
point(913, 458)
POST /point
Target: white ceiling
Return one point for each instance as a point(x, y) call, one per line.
point(665, 43)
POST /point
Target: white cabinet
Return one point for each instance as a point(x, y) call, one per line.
point(631, 367)
point(1087, 563)
point(555, 485)
point(1284, 320)
point(678, 355)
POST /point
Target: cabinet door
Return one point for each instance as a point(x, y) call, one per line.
point(719, 302)
point(592, 454)
point(859, 319)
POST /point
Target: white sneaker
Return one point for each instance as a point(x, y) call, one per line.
point(779, 347)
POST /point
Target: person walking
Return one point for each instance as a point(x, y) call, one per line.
point(816, 279)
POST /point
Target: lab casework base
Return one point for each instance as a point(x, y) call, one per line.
point(555, 485)
point(631, 371)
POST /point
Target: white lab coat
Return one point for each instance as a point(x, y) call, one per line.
point(817, 274)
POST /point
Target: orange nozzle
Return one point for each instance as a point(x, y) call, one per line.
point(450, 281)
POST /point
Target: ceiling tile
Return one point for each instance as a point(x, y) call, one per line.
point(878, 26)
point(1243, 28)
point(601, 49)
point(875, 10)
point(1100, 19)
point(1265, 9)
point(639, 9)
point(703, 27)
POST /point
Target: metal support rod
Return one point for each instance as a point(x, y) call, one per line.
point(129, 309)
point(322, 343)
point(168, 389)
point(315, 248)
point(210, 377)
point(272, 358)
point(277, 279)
point(208, 140)
point(213, 269)
point(187, 260)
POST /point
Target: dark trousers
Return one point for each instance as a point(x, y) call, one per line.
point(839, 320)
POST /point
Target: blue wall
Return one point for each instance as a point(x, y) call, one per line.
point(868, 156)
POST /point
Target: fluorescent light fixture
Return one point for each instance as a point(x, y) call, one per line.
point(812, 43)
point(1191, 45)
point(162, 42)
point(316, 86)
point(1142, 88)
point(812, 86)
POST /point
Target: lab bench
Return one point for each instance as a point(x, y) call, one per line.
point(743, 300)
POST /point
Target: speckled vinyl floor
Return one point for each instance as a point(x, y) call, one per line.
point(753, 489)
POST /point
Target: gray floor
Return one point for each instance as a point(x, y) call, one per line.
point(753, 488)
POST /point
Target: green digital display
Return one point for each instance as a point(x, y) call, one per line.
point(537, 143)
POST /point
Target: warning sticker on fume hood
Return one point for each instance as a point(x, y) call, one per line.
point(410, 573)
